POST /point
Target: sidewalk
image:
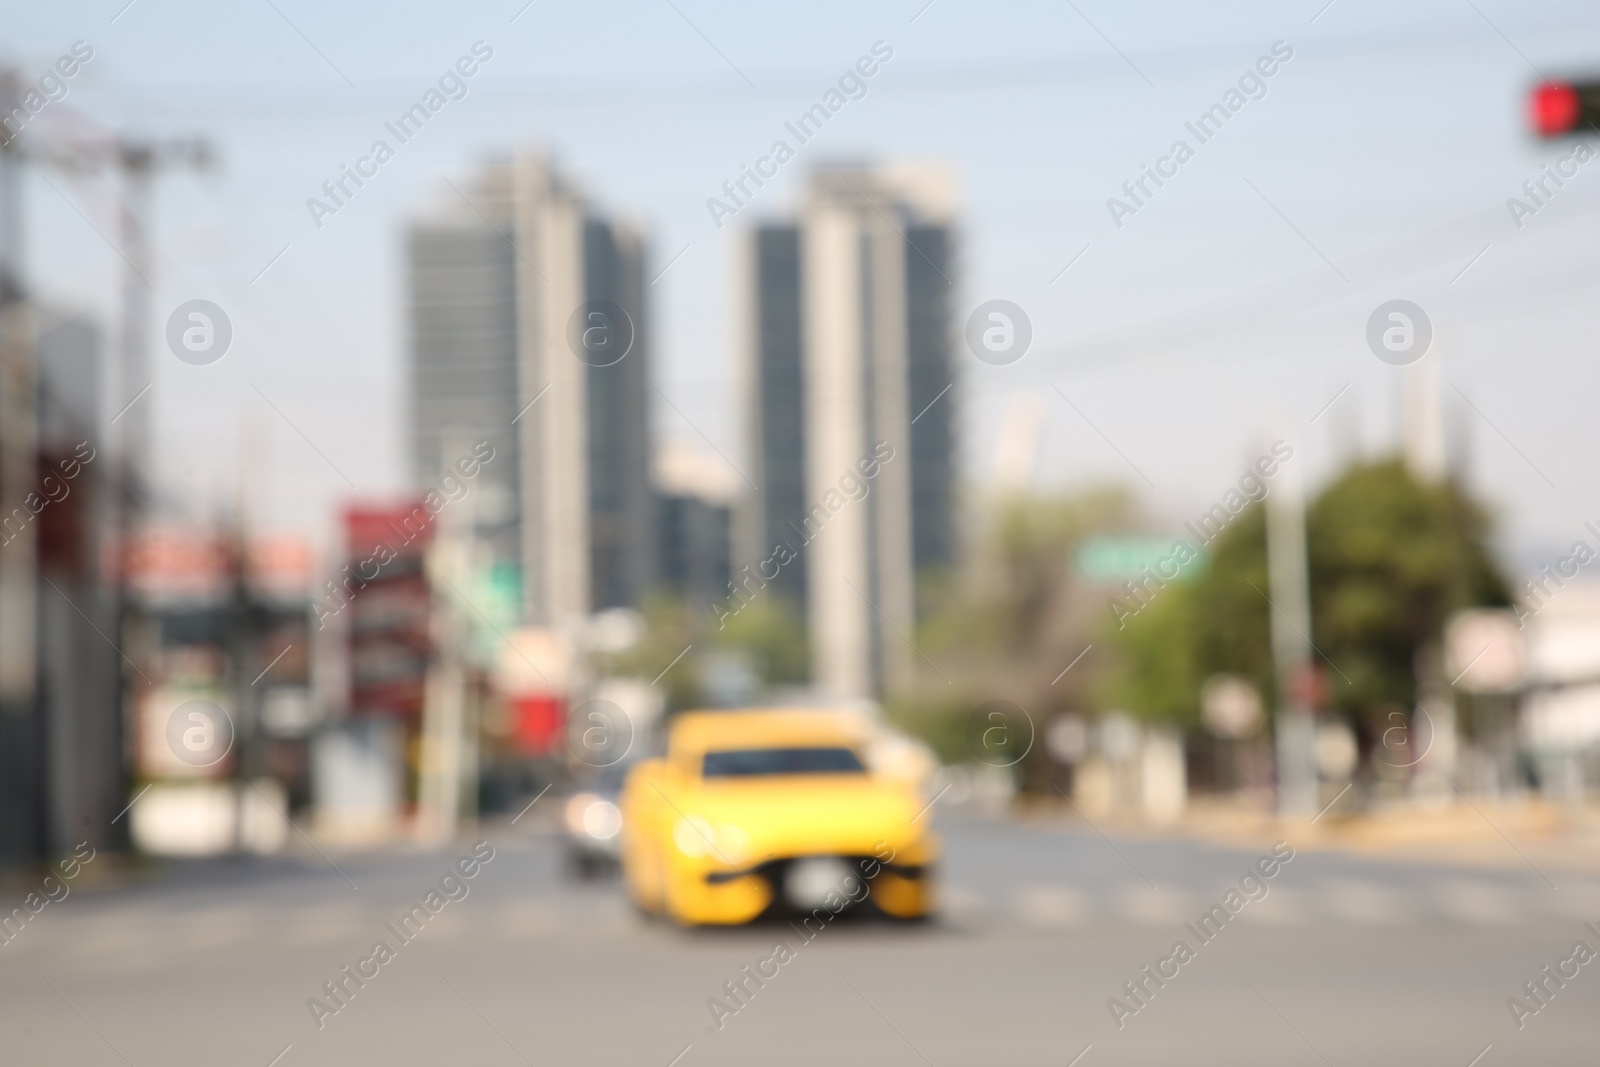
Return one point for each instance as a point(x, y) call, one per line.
point(1525, 832)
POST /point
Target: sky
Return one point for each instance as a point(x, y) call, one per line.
point(1170, 345)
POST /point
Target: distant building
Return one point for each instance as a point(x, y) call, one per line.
point(776, 408)
point(79, 683)
point(848, 344)
point(529, 330)
point(695, 491)
point(61, 740)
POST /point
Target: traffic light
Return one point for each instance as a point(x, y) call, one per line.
point(1557, 109)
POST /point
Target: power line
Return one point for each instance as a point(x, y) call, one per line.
point(1218, 319)
point(280, 100)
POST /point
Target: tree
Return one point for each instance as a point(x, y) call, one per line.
point(1390, 559)
point(1005, 626)
point(670, 629)
point(771, 633)
point(768, 632)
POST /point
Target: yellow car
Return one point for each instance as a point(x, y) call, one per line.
point(752, 811)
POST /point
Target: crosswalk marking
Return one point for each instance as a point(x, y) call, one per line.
point(104, 936)
point(1356, 902)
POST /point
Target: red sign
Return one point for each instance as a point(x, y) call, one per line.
point(389, 606)
point(172, 563)
point(539, 723)
point(403, 529)
point(1308, 686)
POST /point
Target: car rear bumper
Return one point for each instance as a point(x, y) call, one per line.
point(729, 896)
point(773, 870)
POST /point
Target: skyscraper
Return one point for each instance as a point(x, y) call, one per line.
point(848, 345)
point(695, 489)
point(529, 331)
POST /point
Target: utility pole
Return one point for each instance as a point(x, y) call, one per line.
point(18, 447)
point(96, 151)
point(10, 193)
point(135, 162)
point(1289, 581)
point(446, 747)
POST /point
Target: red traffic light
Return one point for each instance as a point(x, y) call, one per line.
point(1554, 109)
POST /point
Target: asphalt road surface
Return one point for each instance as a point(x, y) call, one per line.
point(1345, 960)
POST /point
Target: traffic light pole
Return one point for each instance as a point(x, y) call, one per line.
point(1288, 578)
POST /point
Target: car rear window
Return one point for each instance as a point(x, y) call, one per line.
point(752, 762)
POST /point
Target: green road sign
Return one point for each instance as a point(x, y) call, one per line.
point(1110, 558)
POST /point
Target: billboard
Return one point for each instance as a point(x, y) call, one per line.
point(384, 589)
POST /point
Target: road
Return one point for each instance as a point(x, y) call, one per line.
point(1345, 960)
